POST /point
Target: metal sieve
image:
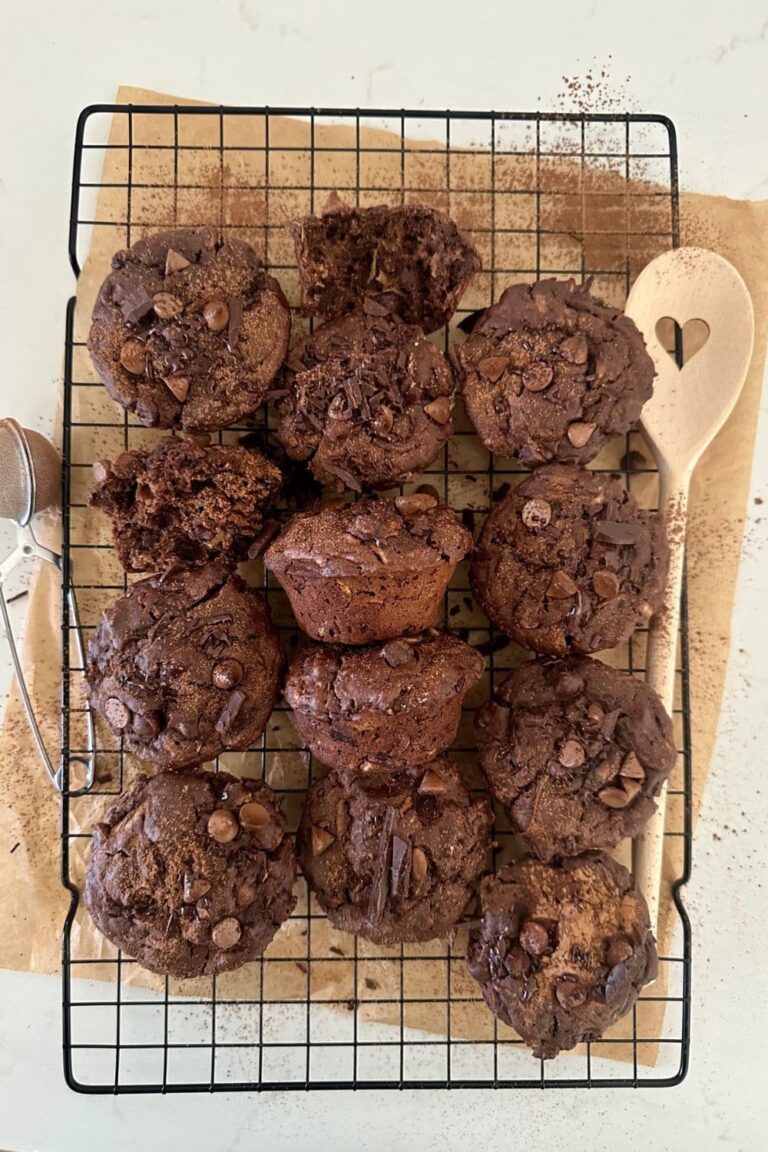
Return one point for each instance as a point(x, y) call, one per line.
point(30, 482)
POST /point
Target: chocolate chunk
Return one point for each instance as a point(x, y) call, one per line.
point(536, 513)
point(419, 870)
point(618, 532)
point(321, 840)
point(135, 305)
point(432, 784)
point(606, 584)
point(619, 950)
point(398, 653)
point(415, 503)
point(226, 934)
point(195, 887)
point(575, 349)
point(493, 367)
point(380, 882)
point(235, 305)
point(439, 410)
point(609, 723)
point(230, 711)
point(401, 866)
point(178, 385)
point(175, 262)
point(223, 825)
point(593, 721)
point(631, 768)
point(579, 433)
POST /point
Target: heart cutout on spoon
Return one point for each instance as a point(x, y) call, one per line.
point(681, 341)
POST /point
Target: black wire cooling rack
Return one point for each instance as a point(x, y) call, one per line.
point(542, 194)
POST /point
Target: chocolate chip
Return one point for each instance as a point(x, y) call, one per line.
point(631, 768)
point(178, 385)
point(166, 305)
point(432, 784)
point(136, 305)
point(216, 315)
point(534, 938)
point(100, 469)
point(230, 710)
point(615, 532)
point(223, 825)
point(536, 513)
point(633, 788)
point(537, 377)
point(175, 262)
point(575, 349)
point(415, 503)
point(226, 933)
point(397, 653)
point(594, 718)
point(246, 894)
point(419, 869)
point(227, 673)
point(116, 713)
point(194, 888)
point(579, 433)
point(569, 992)
point(493, 367)
point(605, 583)
point(571, 754)
point(254, 815)
point(383, 420)
point(439, 410)
point(619, 950)
point(133, 357)
point(321, 840)
point(613, 797)
point(561, 586)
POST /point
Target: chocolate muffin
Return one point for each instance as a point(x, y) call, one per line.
point(191, 873)
point(552, 373)
point(371, 571)
point(185, 665)
point(365, 401)
point(568, 562)
point(575, 751)
point(562, 950)
point(189, 330)
point(394, 856)
point(372, 708)
point(410, 259)
point(184, 502)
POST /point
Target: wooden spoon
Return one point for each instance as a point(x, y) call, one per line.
point(688, 409)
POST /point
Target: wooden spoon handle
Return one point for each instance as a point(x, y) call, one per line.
point(661, 667)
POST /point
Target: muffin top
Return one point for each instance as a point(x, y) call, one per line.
point(552, 373)
point(567, 561)
point(185, 665)
point(394, 855)
point(371, 536)
point(402, 675)
point(191, 872)
point(562, 950)
point(576, 752)
point(366, 401)
point(185, 502)
point(189, 330)
point(411, 259)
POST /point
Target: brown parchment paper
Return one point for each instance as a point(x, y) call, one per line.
point(33, 902)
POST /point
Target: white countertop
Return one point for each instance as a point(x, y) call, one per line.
point(702, 64)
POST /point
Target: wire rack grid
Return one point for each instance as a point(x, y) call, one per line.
point(541, 194)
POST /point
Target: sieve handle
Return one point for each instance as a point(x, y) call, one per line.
point(27, 546)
